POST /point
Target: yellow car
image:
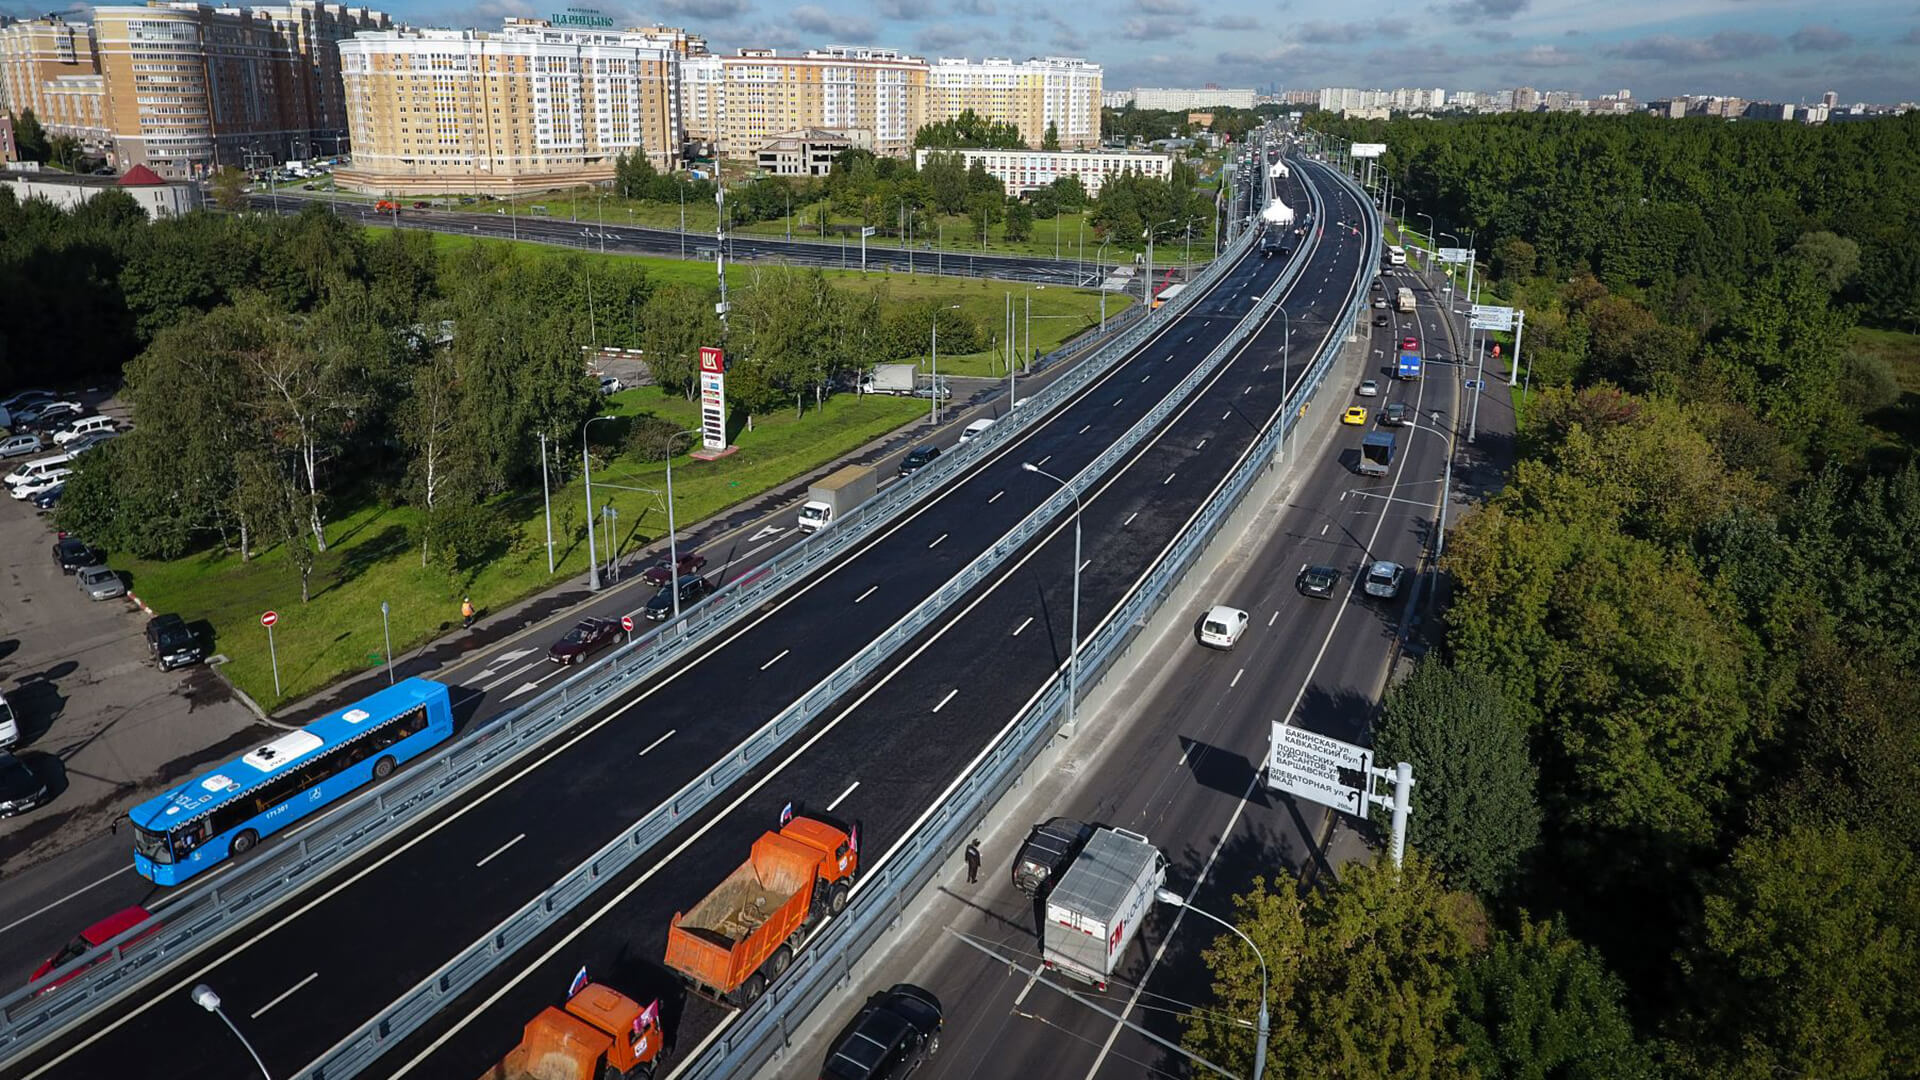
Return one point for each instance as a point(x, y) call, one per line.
point(1355, 415)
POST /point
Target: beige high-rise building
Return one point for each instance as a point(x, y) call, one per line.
point(185, 88)
point(1063, 91)
point(531, 107)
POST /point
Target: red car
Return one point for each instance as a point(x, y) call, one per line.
point(660, 573)
point(587, 637)
point(1411, 344)
point(91, 938)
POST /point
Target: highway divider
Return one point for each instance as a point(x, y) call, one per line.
point(285, 869)
point(881, 898)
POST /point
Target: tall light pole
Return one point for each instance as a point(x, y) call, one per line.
point(1073, 651)
point(1099, 263)
point(586, 462)
point(1433, 238)
point(204, 997)
point(1174, 899)
point(546, 500)
point(386, 629)
point(673, 541)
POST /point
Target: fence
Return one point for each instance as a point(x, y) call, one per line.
point(881, 900)
point(278, 873)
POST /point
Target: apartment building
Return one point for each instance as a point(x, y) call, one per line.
point(532, 107)
point(1061, 91)
point(1026, 170)
point(1211, 97)
point(185, 88)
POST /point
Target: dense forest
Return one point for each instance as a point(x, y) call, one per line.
point(1668, 821)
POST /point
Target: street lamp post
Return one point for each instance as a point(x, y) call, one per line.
point(204, 997)
point(1433, 234)
point(586, 464)
point(1099, 261)
point(673, 540)
point(1174, 899)
point(386, 628)
point(1073, 650)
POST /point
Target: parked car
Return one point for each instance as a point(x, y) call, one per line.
point(1048, 850)
point(48, 498)
point(421, 204)
point(1367, 388)
point(1318, 581)
point(1394, 414)
point(1383, 579)
point(1222, 626)
point(1354, 415)
point(72, 554)
point(691, 562)
point(9, 725)
point(54, 478)
point(90, 939)
point(20, 445)
point(692, 588)
point(101, 583)
point(20, 789)
point(173, 643)
point(918, 457)
point(611, 385)
point(82, 445)
point(895, 1033)
point(83, 428)
point(587, 637)
point(51, 416)
point(25, 398)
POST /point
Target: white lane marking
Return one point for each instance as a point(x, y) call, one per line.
point(944, 700)
point(1266, 367)
point(1022, 995)
point(284, 995)
point(1044, 460)
point(1228, 415)
point(1248, 390)
point(1202, 446)
point(64, 899)
point(505, 658)
point(650, 746)
point(1169, 479)
point(1144, 378)
point(1117, 401)
point(1323, 528)
point(1130, 518)
point(1022, 626)
point(1236, 678)
point(866, 594)
point(1083, 430)
point(936, 541)
point(1086, 564)
point(499, 851)
point(764, 532)
point(511, 675)
point(1189, 338)
point(1183, 757)
point(776, 659)
point(842, 797)
point(996, 496)
point(1272, 618)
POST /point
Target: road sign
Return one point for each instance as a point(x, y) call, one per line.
point(1491, 317)
point(269, 618)
point(1310, 766)
point(1454, 255)
point(626, 623)
point(866, 230)
point(1368, 149)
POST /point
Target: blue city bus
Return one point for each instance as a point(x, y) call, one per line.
point(229, 810)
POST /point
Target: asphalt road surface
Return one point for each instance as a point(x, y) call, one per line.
point(308, 973)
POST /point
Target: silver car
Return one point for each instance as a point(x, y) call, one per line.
point(1383, 579)
point(101, 583)
point(17, 445)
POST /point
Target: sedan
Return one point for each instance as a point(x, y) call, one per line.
point(51, 415)
point(587, 637)
point(1383, 579)
point(1356, 415)
point(1394, 414)
point(101, 583)
point(1367, 388)
point(48, 498)
point(72, 554)
point(692, 588)
point(20, 789)
point(660, 573)
point(1318, 581)
point(1380, 301)
point(1410, 344)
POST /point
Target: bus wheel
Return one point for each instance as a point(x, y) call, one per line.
point(837, 898)
point(244, 842)
point(782, 959)
point(383, 768)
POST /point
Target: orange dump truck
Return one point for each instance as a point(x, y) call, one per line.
point(385, 206)
point(601, 1034)
point(742, 935)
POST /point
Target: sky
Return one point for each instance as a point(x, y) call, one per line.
point(1778, 50)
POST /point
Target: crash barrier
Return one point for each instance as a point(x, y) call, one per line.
point(460, 974)
point(416, 793)
point(881, 899)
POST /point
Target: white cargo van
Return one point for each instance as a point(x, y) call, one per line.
point(38, 469)
point(9, 726)
point(83, 427)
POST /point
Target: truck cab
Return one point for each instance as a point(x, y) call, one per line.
point(601, 1034)
point(815, 515)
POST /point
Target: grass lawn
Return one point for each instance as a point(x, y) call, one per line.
point(373, 555)
point(1897, 426)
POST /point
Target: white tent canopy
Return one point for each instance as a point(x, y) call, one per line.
point(1277, 213)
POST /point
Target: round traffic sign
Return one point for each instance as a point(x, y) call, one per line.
point(626, 623)
point(269, 618)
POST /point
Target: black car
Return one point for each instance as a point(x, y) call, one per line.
point(56, 416)
point(72, 554)
point(660, 573)
point(1049, 848)
point(895, 1033)
point(918, 457)
point(587, 637)
point(173, 643)
point(46, 499)
point(692, 588)
point(1381, 320)
point(1394, 414)
point(20, 790)
point(1318, 581)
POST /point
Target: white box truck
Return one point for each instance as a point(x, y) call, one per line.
point(837, 493)
point(1097, 907)
point(889, 379)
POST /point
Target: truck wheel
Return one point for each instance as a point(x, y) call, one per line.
point(837, 898)
point(243, 843)
point(782, 960)
point(613, 1072)
point(751, 990)
point(383, 768)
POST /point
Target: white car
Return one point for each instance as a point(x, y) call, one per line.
point(1222, 626)
point(611, 385)
point(973, 430)
point(1383, 579)
point(83, 427)
point(1368, 388)
point(30, 488)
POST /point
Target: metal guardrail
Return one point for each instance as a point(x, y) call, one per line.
point(881, 899)
point(347, 832)
point(405, 1014)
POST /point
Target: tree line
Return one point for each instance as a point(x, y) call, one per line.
point(1668, 811)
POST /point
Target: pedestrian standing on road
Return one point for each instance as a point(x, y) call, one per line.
point(466, 613)
point(973, 861)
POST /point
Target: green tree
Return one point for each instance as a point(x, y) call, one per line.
point(1019, 220)
point(1892, 286)
point(1833, 259)
point(1540, 1005)
point(676, 323)
point(946, 179)
point(1478, 815)
point(30, 138)
point(1050, 142)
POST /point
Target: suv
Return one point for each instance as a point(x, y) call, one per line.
point(72, 554)
point(20, 789)
point(895, 1033)
point(692, 588)
point(1318, 581)
point(172, 642)
point(917, 457)
point(1048, 850)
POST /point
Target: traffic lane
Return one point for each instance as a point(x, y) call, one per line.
point(892, 747)
point(433, 935)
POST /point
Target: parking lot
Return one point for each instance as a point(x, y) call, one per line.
point(99, 723)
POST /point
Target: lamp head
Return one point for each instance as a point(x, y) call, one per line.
point(204, 997)
point(1029, 466)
